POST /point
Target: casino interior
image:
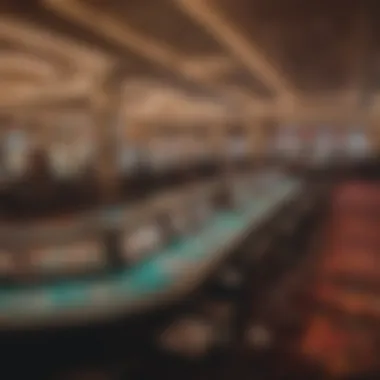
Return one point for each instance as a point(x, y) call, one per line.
point(190, 189)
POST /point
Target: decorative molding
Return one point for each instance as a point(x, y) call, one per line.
point(30, 65)
point(149, 47)
point(213, 21)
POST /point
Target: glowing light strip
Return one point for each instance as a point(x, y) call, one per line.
point(28, 65)
point(146, 47)
point(87, 65)
point(212, 20)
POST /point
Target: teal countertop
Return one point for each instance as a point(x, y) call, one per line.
point(168, 274)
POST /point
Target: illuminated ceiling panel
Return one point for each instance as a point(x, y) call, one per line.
point(152, 101)
point(163, 33)
point(36, 64)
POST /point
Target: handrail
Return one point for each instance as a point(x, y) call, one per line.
point(168, 276)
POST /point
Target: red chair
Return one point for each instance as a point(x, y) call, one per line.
point(354, 303)
point(355, 198)
point(352, 263)
point(326, 345)
point(340, 350)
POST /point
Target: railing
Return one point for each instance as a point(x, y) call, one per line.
point(166, 273)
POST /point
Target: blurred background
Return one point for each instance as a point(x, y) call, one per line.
point(190, 188)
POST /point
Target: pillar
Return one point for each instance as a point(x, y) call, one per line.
point(256, 138)
point(106, 107)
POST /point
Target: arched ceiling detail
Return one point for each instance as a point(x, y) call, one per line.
point(161, 32)
point(153, 101)
point(35, 63)
point(320, 54)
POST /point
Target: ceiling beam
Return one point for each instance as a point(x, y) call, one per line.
point(60, 91)
point(250, 55)
point(103, 24)
point(146, 47)
point(26, 35)
point(86, 65)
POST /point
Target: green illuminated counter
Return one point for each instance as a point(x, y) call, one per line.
point(168, 275)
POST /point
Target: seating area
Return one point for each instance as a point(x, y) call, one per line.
point(343, 334)
point(154, 269)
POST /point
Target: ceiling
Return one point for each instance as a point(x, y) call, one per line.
point(276, 57)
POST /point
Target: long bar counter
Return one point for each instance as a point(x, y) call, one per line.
point(166, 276)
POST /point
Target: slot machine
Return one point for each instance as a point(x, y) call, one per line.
point(357, 143)
point(187, 155)
point(72, 153)
point(283, 143)
point(308, 138)
point(128, 160)
point(288, 145)
point(295, 143)
point(184, 157)
point(201, 157)
point(208, 158)
point(135, 171)
point(26, 164)
point(323, 146)
point(270, 132)
point(161, 158)
point(278, 140)
point(237, 147)
point(61, 161)
point(340, 145)
point(71, 148)
point(236, 169)
point(17, 148)
point(345, 145)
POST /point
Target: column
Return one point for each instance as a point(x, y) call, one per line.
point(255, 138)
point(106, 109)
point(261, 140)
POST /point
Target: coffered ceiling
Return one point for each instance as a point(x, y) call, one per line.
point(36, 64)
point(245, 55)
